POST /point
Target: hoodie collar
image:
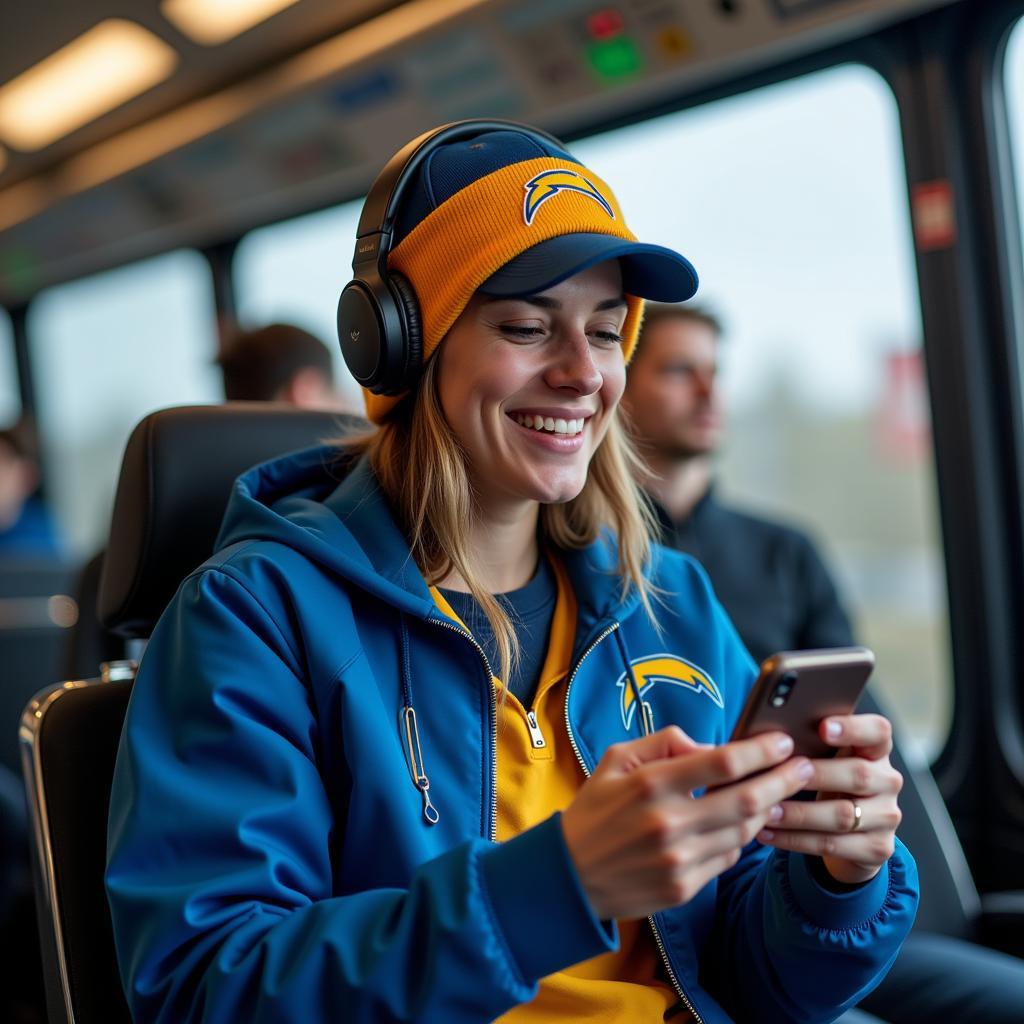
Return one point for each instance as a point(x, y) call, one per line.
point(330, 507)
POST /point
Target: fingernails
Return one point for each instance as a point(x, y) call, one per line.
point(833, 730)
point(804, 771)
point(766, 835)
point(784, 745)
point(775, 813)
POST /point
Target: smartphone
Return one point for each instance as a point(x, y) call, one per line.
point(795, 690)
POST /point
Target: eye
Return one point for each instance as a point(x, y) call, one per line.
point(525, 333)
point(606, 334)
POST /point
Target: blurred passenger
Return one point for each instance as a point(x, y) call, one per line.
point(26, 530)
point(280, 363)
point(277, 363)
point(779, 594)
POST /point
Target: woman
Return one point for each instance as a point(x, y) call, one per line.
point(327, 808)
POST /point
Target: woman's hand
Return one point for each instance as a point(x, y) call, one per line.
point(640, 841)
point(852, 825)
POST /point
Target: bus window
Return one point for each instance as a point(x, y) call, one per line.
point(1015, 109)
point(107, 350)
point(294, 272)
point(10, 399)
point(791, 202)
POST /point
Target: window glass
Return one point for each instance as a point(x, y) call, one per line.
point(1015, 109)
point(791, 202)
point(107, 350)
point(293, 272)
point(10, 398)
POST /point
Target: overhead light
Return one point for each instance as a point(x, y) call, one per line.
point(210, 22)
point(96, 72)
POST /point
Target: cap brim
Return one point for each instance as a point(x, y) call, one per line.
point(648, 271)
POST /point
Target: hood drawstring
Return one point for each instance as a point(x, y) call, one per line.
point(412, 733)
point(645, 712)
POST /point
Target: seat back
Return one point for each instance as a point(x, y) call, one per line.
point(69, 737)
point(178, 470)
point(950, 904)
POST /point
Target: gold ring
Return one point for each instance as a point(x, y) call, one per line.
point(857, 816)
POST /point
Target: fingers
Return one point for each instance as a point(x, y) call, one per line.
point(666, 743)
point(869, 736)
point(710, 767)
point(855, 776)
point(839, 815)
point(753, 798)
point(871, 847)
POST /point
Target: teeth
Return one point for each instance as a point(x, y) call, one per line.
point(549, 424)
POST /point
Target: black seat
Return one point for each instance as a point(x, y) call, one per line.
point(37, 613)
point(177, 473)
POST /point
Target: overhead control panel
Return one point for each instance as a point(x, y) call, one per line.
point(314, 130)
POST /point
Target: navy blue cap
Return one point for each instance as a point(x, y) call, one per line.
point(648, 271)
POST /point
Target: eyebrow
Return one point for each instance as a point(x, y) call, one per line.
point(544, 302)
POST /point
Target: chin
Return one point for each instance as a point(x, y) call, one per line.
point(559, 493)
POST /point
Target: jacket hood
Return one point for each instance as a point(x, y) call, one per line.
point(329, 506)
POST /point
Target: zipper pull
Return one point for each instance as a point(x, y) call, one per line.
point(419, 775)
point(648, 717)
point(536, 736)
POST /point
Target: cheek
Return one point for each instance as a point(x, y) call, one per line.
point(614, 375)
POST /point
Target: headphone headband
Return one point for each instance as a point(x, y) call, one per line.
point(378, 313)
point(377, 219)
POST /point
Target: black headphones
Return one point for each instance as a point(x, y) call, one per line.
point(378, 313)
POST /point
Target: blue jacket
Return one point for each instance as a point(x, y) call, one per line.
point(269, 858)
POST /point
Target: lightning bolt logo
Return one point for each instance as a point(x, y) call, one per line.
point(549, 183)
point(663, 668)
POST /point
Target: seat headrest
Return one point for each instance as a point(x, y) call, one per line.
point(178, 469)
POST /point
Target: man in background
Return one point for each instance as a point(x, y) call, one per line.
point(776, 588)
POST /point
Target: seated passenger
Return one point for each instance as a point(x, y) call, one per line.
point(385, 759)
point(279, 363)
point(26, 530)
point(774, 584)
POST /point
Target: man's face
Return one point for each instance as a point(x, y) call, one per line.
point(671, 395)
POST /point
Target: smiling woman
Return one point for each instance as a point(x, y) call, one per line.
point(357, 815)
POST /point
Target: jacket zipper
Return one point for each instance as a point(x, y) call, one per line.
point(494, 723)
point(586, 771)
point(536, 733)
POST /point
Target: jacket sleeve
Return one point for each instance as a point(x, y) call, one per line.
point(815, 953)
point(223, 897)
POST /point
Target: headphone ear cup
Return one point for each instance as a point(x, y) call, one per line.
point(405, 298)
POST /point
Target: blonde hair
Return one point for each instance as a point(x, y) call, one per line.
point(423, 470)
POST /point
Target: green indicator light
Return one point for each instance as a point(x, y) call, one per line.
point(614, 58)
point(18, 268)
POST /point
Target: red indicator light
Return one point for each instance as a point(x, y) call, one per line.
point(605, 24)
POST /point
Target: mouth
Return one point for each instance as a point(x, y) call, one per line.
point(550, 424)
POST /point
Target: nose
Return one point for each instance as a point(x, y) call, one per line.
point(705, 384)
point(573, 365)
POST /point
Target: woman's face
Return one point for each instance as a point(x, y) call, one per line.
point(529, 386)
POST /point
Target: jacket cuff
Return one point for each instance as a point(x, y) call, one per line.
point(540, 907)
point(840, 911)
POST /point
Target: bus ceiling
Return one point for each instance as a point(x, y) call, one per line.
point(217, 128)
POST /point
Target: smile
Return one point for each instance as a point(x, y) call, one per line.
point(570, 428)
